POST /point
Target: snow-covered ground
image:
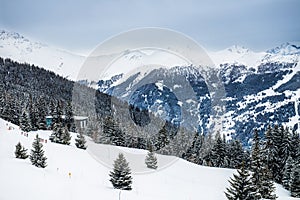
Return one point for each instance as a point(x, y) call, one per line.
point(89, 175)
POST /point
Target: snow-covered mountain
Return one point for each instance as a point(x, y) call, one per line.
point(90, 178)
point(258, 87)
point(17, 47)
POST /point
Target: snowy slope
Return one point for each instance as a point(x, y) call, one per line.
point(237, 55)
point(89, 179)
point(19, 48)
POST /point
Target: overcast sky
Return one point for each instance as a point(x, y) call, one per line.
point(215, 24)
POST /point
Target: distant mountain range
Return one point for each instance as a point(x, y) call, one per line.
point(17, 47)
point(260, 87)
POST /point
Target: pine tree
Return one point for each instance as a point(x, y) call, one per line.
point(69, 119)
point(279, 160)
point(24, 123)
point(66, 137)
point(239, 186)
point(269, 151)
point(193, 152)
point(112, 133)
point(267, 188)
point(287, 173)
point(151, 160)
point(33, 115)
point(41, 113)
point(218, 152)
point(60, 134)
point(256, 162)
point(162, 138)
point(235, 154)
point(80, 141)
point(283, 152)
point(20, 151)
point(295, 181)
point(37, 157)
point(261, 176)
point(294, 147)
point(121, 174)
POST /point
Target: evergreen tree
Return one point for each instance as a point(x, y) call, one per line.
point(162, 138)
point(41, 114)
point(279, 160)
point(80, 141)
point(239, 186)
point(261, 176)
point(256, 162)
point(151, 160)
point(118, 138)
point(218, 152)
point(60, 134)
point(24, 123)
point(66, 138)
point(193, 152)
point(37, 157)
point(20, 151)
point(112, 133)
point(294, 147)
point(283, 152)
point(32, 111)
point(269, 151)
point(295, 181)
point(121, 174)
point(235, 154)
point(69, 119)
point(287, 173)
point(267, 189)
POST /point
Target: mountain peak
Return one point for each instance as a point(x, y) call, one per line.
point(4, 34)
point(237, 49)
point(286, 49)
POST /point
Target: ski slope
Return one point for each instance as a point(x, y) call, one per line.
point(89, 176)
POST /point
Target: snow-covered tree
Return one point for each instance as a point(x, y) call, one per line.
point(267, 187)
point(295, 181)
point(69, 117)
point(269, 150)
point(193, 152)
point(239, 186)
point(33, 114)
point(37, 157)
point(112, 133)
point(261, 177)
point(218, 152)
point(235, 154)
point(162, 138)
point(121, 174)
point(256, 162)
point(280, 157)
point(151, 160)
point(66, 136)
point(25, 123)
point(294, 147)
point(287, 173)
point(20, 151)
point(80, 141)
point(60, 134)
